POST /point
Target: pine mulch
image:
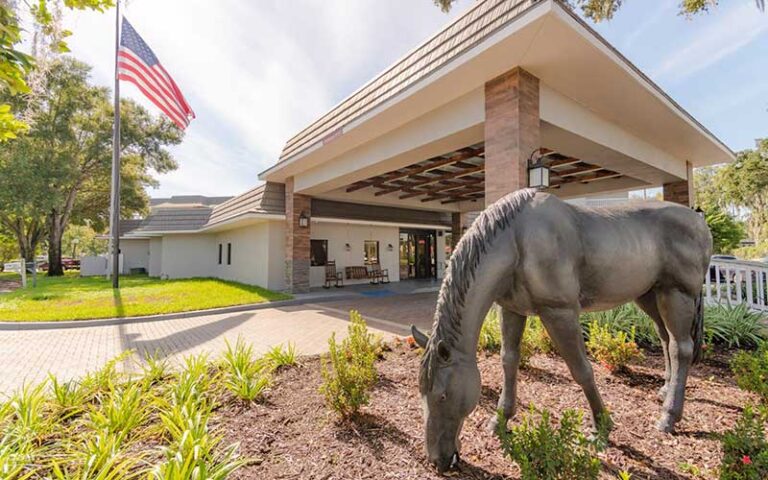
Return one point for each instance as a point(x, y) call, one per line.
point(294, 436)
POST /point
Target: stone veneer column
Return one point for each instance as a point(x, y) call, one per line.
point(458, 224)
point(296, 240)
point(512, 131)
point(681, 192)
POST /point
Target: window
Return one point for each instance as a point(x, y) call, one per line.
point(371, 252)
point(220, 252)
point(318, 252)
point(229, 254)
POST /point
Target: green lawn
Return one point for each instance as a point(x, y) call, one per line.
point(74, 298)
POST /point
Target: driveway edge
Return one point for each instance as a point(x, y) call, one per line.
point(103, 322)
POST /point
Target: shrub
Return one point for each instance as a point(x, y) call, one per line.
point(349, 370)
point(745, 449)
point(614, 350)
point(751, 371)
point(542, 450)
point(245, 377)
point(490, 333)
point(535, 340)
point(734, 326)
point(279, 357)
point(624, 318)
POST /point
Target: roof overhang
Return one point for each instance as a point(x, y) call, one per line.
point(569, 57)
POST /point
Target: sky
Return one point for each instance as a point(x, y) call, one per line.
point(258, 71)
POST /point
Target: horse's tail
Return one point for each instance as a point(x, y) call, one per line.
point(697, 329)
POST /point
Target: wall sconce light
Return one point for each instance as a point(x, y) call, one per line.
point(538, 173)
point(347, 247)
point(390, 247)
point(303, 220)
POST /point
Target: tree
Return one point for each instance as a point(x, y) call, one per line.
point(744, 184)
point(599, 10)
point(66, 157)
point(727, 232)
point(48, 36)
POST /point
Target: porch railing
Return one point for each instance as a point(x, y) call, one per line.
point(737, 281)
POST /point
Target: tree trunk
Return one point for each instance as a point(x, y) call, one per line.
point(55, 234)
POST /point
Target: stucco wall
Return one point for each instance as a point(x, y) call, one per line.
point(155, 256)
point(186, 256)
point(135, 254)
point(276, 276)
point(250, 255)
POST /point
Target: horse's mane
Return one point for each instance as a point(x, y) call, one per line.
point(462, 269)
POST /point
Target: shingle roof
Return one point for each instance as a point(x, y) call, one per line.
point(473, 27)
point(189, 200)
point(178, 219)
point(264, 199)
point(268, 198)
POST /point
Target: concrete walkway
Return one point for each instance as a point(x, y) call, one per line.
point(28, 355)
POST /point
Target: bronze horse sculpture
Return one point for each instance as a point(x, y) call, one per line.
point(533, 254)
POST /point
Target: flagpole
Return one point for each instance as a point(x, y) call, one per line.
point(115, 198)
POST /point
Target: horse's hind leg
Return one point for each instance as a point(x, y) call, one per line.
point(564, 329)
point(648, 304)
point(512, 328)
point(678, 311)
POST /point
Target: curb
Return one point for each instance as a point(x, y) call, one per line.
point(104, 322)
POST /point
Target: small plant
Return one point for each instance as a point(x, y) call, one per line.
point(734, 326)
point(350, 368)
point(155, 369)
point(751, 371)
point(624, 318)
point(624, 475)
point(614, 350)
point(745, 449)
point(279, 357)
point(247, 378)
point(542, 450)
point(68, 397)
point(490, 333)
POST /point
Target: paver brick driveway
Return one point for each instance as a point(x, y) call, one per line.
point(28, 355)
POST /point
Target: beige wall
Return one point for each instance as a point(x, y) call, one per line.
point(135, 254)
point(155, 257)
point(188, 255)
point(250, 255)
point(276, 255)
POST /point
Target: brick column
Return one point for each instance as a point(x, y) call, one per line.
point(296, 240)
point(512, 131)
point(457, 226)
point(681, 192)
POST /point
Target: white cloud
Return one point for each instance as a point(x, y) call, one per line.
point(255, 72)
point(728, 32)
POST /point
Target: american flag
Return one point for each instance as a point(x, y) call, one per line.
point(138, 64)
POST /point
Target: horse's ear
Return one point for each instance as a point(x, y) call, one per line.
point(443, 352)
point(421, 339)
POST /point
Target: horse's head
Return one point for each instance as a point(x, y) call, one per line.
point(450, 389)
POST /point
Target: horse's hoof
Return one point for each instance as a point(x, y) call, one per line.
point(493, 425)
point(666, 424)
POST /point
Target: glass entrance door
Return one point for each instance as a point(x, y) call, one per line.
point(418, 258)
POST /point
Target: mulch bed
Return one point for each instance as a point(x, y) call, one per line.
point(7, 286)
point(294, 436)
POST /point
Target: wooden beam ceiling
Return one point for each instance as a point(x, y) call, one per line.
point(460, 176)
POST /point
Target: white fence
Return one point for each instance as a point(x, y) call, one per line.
point(737, 281)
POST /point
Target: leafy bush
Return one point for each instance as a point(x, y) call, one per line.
point(751, 371)
point(279, 357)
point(614, 350)
point(490, 333)
point(624, 318)
point(245, 377)
point(542, 450)
point(352, 370)
point(745, 449)
point(734, 326)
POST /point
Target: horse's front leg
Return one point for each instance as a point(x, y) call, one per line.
point(512, 329)
point(564, 329)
